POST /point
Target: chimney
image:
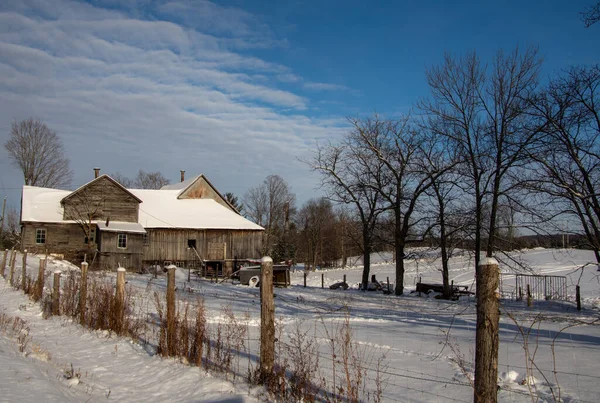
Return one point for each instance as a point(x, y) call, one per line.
point(182, 175)
point(96, 172)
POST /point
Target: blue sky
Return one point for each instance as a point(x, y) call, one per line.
point(239, 90)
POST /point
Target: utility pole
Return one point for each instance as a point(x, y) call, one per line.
point(3, 208)
point(2, 224)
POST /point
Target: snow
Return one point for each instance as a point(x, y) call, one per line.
point(162, 209)
point(427, 344)
point(159, 209)
point(121, 226)
point(42, 204)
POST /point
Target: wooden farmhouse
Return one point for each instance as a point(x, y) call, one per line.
point(189, 224)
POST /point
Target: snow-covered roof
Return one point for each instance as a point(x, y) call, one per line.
point(43, 204)
point(180, 185)
point(121, 226)
point(159, 209)
point(162, 209)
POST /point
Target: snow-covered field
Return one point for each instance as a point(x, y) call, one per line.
point(425, 345)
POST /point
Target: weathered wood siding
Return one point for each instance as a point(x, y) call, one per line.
point(60, 238)
point(111, 256)
point(105, 198)
point(172, 244)
point(202, 190)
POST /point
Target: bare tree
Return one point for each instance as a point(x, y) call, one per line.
point(143, 180)
point(11, 231)
point(350, 176)
point(316, 222)
point(150, 180)
point(38, 152)
point(591, 15)
point(487, 118)
point(123, 180)
point(271, 205)
point(410, 166)
point(568, 156)
point(86, 207)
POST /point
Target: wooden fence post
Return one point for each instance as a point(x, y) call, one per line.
point(13, 257)
point(486, 336)
point(39, 289)
point(56, 293)
point(322, 280)
point(171, 309)
point(83, 292)
point(3, 266)
point(578, 297)
point(120, 300)
point(304, 278)
point(267, 320)
point(529, 299)
point(388, 285)
point(24, 270)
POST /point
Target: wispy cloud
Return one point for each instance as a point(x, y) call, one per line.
point(325, 87)
point(127, 90)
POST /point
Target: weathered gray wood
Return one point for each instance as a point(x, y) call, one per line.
point(56, 293)
point(24, 270)
point(172, 244)
point(3, 266)
point(486, 337)
point(107, 198)
point(120, 300)
point(39, 286)
point(171, 310)
point(83, 292)
point(60, 238)
point(203, 189)
point(267, 320)
point(13, 258)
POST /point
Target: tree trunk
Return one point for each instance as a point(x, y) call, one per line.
point(399, 268)
point(445, 277)
point(366, 259)
point(486, 340)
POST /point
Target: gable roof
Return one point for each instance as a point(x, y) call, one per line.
point(188, 184)
point(163, 209)
point(159, 209)
point(98, 179)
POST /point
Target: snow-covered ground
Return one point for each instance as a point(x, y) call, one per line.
point(425, 344)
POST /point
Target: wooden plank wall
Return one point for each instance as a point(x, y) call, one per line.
point(60, 238)
point(111, 256)
point(106, 197)
point(202, 190)
point(172, 244)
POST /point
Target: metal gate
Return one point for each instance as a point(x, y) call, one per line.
point(541, 287)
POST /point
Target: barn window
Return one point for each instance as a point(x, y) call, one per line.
point(40, 236)
point(192, 243)
point(146, 239)
point(122, 241)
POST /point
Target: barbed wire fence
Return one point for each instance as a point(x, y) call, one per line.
point(394, 337)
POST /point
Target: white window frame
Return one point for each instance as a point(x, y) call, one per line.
point(121, 238)
point(40, 231)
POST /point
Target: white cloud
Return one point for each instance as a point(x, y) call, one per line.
point(126, 93)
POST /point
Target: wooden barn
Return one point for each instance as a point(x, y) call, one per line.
point(189, 224)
